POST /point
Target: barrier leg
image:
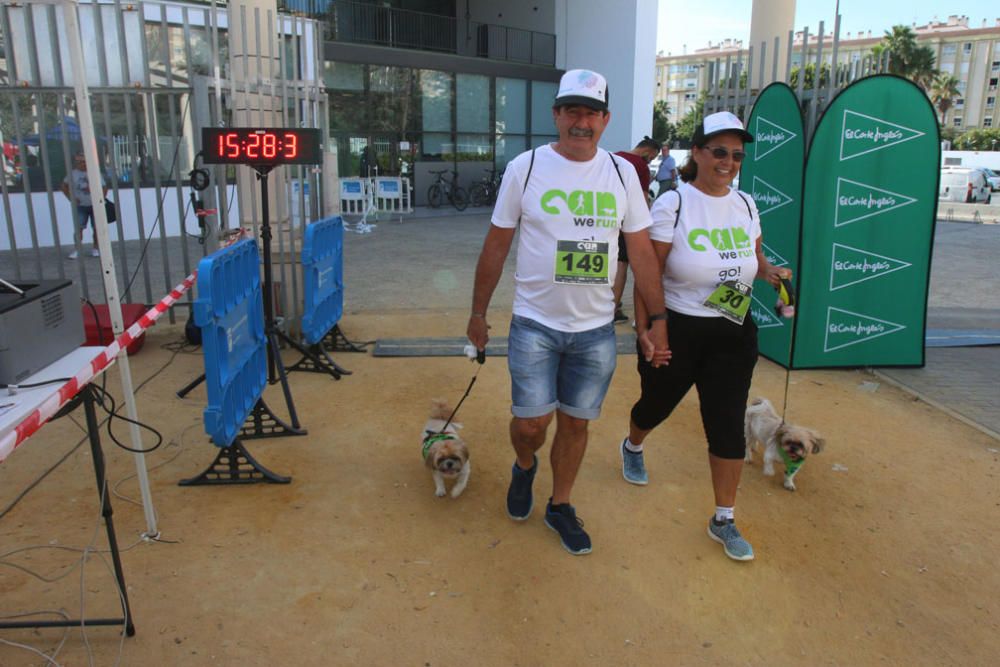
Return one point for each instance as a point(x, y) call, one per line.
point(335, 340)
point(234, 465)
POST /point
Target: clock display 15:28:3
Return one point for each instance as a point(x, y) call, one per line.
point(265, 145)
point(261, 145)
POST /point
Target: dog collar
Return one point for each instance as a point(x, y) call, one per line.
point(791, 466)
point(433, 438)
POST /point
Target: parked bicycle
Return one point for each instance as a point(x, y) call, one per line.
point(484, 192)
point(443, 189)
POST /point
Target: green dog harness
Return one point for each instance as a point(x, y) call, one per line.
point(431, 439)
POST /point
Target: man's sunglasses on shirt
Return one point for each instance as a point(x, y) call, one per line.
point(720, 153)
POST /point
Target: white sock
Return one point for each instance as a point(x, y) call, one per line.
point(723, 514)
point(635, 449)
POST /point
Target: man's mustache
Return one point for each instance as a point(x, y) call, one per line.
point(576, 132)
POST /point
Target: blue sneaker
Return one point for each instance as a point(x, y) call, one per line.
point(519, 498)
point(633, 468)
point(562, 519)
point(729, 537)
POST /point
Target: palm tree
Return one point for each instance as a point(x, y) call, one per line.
point(906, 57)
point(944, 90)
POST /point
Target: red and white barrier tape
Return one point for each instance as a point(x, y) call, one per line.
point(30, 424)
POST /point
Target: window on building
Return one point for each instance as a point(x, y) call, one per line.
point(988, 121)
point(542, 95)
point(965, 69)
point(967, 48)
point(995, 67)
point(957, 121)
point(991, 102)
point(512, 106)
point(435, 105)
point(959, 103)
point(948, 68)
point(948, 50)
point(993, 83)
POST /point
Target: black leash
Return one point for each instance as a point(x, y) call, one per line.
point(481, 359)
point(786, 296)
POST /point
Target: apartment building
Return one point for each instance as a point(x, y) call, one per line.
point(970, 53)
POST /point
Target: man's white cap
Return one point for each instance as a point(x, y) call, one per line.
point(581, 86)
point(717, 123)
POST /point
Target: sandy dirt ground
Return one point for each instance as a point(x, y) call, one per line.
point(885, 555)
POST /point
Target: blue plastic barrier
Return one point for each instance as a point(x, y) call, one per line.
point(323, 277)
point(229, 311)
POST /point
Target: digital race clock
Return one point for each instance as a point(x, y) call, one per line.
point(261, 145)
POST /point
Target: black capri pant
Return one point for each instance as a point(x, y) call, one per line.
point(716, 356)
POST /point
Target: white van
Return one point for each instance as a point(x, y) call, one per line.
point(963, 184)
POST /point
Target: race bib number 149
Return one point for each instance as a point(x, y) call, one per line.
point(581, 263)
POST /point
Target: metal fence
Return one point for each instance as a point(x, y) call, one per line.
point(157, 73)
point(735, 82)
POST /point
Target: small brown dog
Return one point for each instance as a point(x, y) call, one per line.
point(782, 442)
point(444, 452)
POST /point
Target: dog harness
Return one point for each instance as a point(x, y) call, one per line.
point(791, 466)
point(433, 438)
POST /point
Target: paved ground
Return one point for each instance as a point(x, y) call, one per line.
point(963, 295)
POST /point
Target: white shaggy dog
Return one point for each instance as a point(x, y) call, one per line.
point(444, 452)
point(782, 442)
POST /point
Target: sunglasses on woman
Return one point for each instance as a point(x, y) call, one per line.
point(720, 153)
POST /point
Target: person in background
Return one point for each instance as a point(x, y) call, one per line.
point(76, 187)
point(567, 201)
point(666, 175)
point(639, 157)
point(707, 239)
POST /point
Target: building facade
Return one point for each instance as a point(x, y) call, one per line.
point(971, 54)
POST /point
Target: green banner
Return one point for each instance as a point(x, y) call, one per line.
point(772, 175)
point(870, 201)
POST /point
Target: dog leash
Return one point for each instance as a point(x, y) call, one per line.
point(786, 308)
point(481, 359)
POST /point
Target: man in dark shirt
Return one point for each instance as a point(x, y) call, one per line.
point(639, 157)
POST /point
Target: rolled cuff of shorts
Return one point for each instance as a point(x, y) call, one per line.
point(533, 411)
point(590, 414)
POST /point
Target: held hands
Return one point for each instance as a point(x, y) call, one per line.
point(654, 344)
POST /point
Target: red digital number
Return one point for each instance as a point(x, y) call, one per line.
point(232, 146)
point(253, 146)
point(291, 147)
point(269, 148)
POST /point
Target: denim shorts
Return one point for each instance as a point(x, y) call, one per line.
point(552, 369)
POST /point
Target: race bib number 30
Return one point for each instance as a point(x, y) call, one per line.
point(731, 299)
point(581, 263)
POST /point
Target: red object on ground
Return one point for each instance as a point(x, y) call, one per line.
point(130, 313)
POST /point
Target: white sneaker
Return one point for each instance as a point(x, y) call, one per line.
point(72, 255)
point(94, 252)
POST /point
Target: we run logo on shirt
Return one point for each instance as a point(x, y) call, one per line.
point(587, 208)
point(730, 242)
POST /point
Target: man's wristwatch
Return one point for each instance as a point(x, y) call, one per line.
point(658, 316)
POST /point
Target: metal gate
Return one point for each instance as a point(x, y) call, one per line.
point(157, 73)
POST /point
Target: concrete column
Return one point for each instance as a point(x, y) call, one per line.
point(770, 19)
point(621, 45)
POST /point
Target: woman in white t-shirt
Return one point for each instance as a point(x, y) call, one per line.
point(708, 240)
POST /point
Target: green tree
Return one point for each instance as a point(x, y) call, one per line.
point(686, 125)
point(907, 58)
point(663, 130)
point(810, 76)
point(979, 140)
point(943, 92)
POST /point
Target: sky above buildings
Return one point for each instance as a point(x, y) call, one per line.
point(695, 24)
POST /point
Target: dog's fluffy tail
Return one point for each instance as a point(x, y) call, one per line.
point(759, 403)
point(440, 409)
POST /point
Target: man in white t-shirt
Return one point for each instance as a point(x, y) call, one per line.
point(76, 187)
point(569, 199)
